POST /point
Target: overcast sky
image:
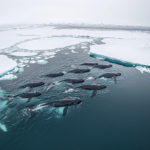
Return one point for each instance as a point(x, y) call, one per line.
point(121, 12)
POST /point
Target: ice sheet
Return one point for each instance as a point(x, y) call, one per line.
point(136, 51)
point(6, 64)
point(51, 43)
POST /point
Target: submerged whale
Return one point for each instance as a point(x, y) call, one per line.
point(28, 95)
point(110, 75)
point(92, 87)
point(79, 71)
point(89, 64)
point(102, 66)
point(58, 103)
point(54, 74)
point(32, 85)
point(73, 81)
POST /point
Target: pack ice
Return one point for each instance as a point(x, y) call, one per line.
point(6, 64)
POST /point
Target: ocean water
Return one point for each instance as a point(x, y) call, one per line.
point(116, 118)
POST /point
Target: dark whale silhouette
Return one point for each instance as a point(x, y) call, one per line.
point(102, 66)
point(54, 74)
point(79, 71)
point(28, 95)
point(110, 75)
point(73, 81)
point(32, 85)
point(92, 87)
point(90, 64)
point(58, 103)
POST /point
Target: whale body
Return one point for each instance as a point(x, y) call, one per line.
point(92, 87)
point(110, 75)
point(58, 103)
point(102, 66)
point(55, 74)
point(32, 85)
point(89, 64)
point(28, 95)
point(79, 71)
point(73, 81)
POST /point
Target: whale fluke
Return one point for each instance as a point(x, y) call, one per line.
point(65, 111)
point(94, 93)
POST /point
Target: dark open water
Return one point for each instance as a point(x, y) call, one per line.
point(117, 118)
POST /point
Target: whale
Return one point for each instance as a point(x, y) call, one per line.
point(89, 64)
point(95, 88)
point(55, 74)
point(110, 75)
point(28, 95)
point(57, 103)
point(79, 71)
point(73, 81)
point(32, 85)
point(102, 66)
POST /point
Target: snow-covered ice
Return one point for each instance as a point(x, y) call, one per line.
point(6, 64)
point(51, 43)
point(136, 51)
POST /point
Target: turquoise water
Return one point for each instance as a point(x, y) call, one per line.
point(116, 118)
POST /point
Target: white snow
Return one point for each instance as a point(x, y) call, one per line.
point(51, 43)
point(129, 50)
point(23, 54)
point(6, 64)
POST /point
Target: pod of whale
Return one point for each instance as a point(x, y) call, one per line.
point(66, 102)
point(58, 103)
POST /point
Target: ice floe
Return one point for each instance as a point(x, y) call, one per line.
point(143, 69)
point(51, 43)
point(8, 77)
point(3, 127)
point(6, 64)
point(136, 51)
point(42, 62)
point(23, 54)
